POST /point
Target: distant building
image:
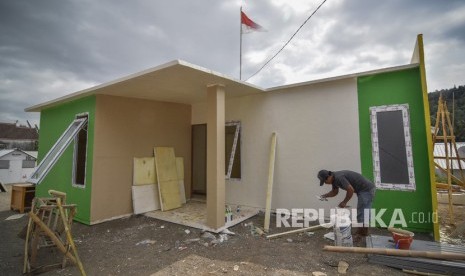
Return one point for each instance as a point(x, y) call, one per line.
point(16, 165)
point(440, 158)
point(14, 136)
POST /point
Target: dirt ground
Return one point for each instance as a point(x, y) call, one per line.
point(139, 245)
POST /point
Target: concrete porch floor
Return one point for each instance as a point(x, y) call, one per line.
point(194, 214)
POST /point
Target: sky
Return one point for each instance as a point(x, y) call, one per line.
point(51, 48)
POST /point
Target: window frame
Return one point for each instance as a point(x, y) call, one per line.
point(56, 151)
point(76, 151)
point(233, 150)
point(411, 186)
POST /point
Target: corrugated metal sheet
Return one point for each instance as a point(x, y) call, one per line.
point(446, 267)
point(440, 151)
point(14, 132)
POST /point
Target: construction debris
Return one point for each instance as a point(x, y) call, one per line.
point(342, 267)
point(149, 242)
point(16, 216)
point(326, 225)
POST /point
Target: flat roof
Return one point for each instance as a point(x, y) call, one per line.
point(176, 81)
point(181, 82)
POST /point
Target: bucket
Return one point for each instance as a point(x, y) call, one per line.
point(402, 241)
point(342, 229)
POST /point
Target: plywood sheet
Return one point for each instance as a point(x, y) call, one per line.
point(144, 171)
point(180, 170)
point(165, 161)
point(145, 198)
point(168, 186)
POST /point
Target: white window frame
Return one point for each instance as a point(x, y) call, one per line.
point(233, 149)
point(408, 147)
point(56, 151)
point(75, 152)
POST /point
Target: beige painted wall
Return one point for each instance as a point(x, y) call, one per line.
point(317, 127)
point(126, 128)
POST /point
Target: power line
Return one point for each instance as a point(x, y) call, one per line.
point(266, 63)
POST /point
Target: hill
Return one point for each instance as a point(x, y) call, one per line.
point(457, 95)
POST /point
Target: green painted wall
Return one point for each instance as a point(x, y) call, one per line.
point(53, 122)
point(389, 88)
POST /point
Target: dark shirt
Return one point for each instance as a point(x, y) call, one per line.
point(342, 179)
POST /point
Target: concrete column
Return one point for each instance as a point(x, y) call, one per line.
point(215, 156)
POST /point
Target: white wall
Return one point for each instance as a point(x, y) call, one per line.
point(15, 174)
point(317, 127)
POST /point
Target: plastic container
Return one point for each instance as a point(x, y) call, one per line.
point(402, 241)
point(342, 229)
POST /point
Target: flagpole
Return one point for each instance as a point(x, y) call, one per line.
point(240, 44)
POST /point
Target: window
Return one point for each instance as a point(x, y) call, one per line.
point(233, 150)
point(57, 150)
point(80, 155)
point(392, 147)
point(29, 164)
point(4, 164)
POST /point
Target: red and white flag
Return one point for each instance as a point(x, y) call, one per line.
point(248, 25)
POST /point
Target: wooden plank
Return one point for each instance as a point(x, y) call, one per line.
point(145, 198)
point(167, 176)
point(326, 225)
point(144, 171)
point(180, 170)
point(397, 252)
point(269, 192)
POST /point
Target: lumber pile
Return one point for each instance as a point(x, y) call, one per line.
point(158, 181)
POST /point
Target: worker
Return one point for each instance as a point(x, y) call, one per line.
point(351, 182)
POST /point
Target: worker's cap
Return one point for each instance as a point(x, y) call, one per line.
point(322, 175)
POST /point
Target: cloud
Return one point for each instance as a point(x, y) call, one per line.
point(50, 48)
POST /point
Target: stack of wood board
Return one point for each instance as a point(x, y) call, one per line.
point(158, 182)
point(145, 197)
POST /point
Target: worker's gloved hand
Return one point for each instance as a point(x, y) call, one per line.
point(342, 204)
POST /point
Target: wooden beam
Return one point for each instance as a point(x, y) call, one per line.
point(269, 191)
point(316, 227)
point(397, 252)
point(52, 236)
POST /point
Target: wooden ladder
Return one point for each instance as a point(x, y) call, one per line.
point(444, 132)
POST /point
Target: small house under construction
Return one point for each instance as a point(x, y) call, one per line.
point(374, 122)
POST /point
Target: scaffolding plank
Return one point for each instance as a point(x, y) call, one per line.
point(168, 185)
point(144, 171)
